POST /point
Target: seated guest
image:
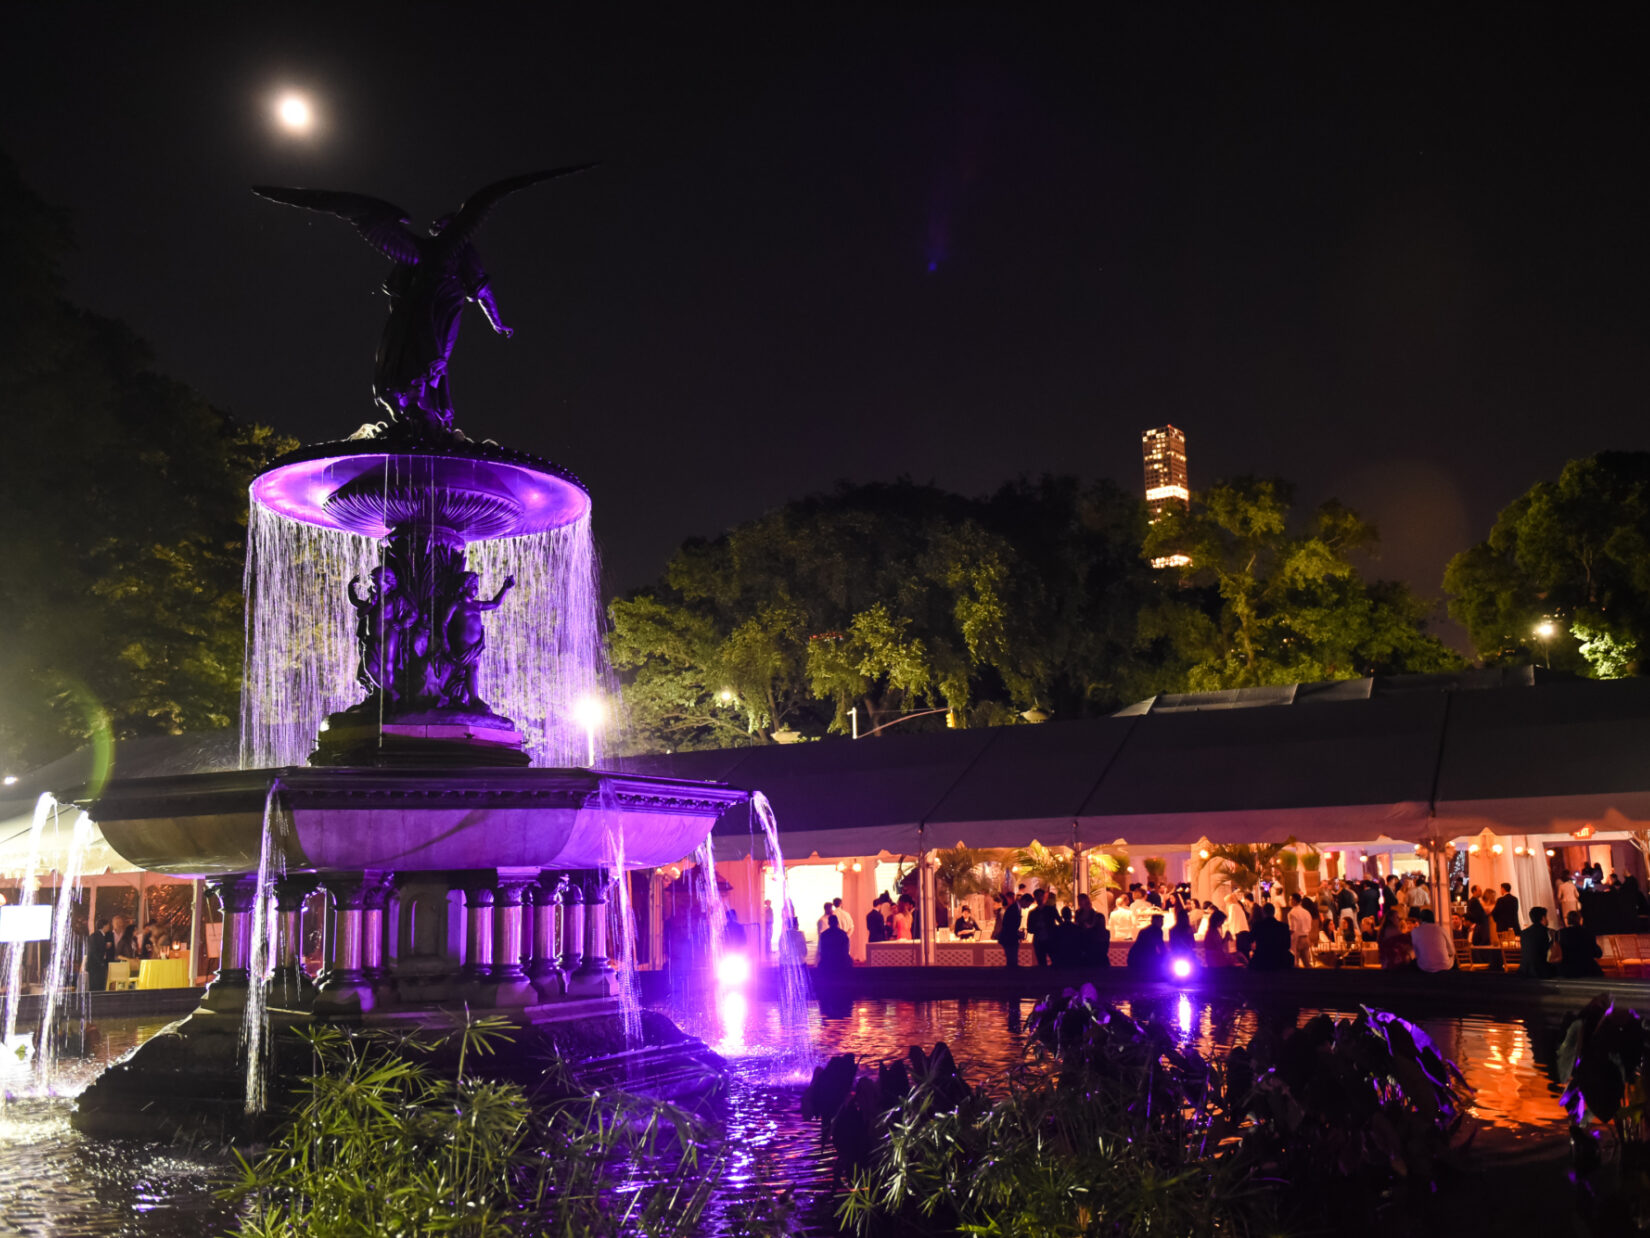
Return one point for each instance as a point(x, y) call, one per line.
point(833, 948)
point(126, 944)
point(964, 928)
point(1243, 946)
point(1146, 956)
point(1434, 948)
point(1580, 947)
point(1272, 947)
point(1534, 945)
point(1395, 949)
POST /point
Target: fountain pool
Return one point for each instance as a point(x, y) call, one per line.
point(56, 1182)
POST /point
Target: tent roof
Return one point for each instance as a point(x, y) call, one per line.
point(1399, 759)
point(1516, 754)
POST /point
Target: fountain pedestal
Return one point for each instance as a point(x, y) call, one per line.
point(467, 855)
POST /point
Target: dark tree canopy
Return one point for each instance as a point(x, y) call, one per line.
point(1574, 553)
point(125, 501)
point(888, 598)
point(1275, 597)
point(897, 598)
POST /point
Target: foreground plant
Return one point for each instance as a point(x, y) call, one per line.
point(382, 1143)
point(1604, 1064)
point(1117, 1128)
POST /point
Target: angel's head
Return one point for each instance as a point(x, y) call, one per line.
point(440, 225)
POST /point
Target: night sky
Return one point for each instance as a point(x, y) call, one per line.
point(1398, 261)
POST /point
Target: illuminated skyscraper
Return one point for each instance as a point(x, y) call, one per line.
point(1164, 452)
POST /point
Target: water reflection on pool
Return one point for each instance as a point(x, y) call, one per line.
point(54, 1181)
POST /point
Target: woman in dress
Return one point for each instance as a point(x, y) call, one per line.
point(1477, 917)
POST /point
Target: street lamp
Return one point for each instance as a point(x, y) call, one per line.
point(1545, 631)
point(589, 712)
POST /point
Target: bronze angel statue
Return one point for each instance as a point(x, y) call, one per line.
point(432, 278)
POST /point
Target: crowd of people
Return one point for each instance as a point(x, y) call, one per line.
point(117, 938)
point(1397, 922)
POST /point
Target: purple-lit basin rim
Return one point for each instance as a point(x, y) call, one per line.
point(298, 485)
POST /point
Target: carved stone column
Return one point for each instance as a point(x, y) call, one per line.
point(507, 977)
point(390, 945)
point(372, 930)
point(569, 903)
point(541, 962)
point(291, 985)
point(344, 988)
point(478, 935)
point(237, 896)
point(594, 978)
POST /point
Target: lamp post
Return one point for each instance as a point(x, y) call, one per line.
point(589, 712)
point(1545, 630)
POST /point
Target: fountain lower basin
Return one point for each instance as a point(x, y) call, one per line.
point(452, 892)
point(407, 820)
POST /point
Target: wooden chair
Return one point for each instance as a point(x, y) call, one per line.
point(1610, 961)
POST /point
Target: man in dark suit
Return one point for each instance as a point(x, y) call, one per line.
point(1272, 950)
point(874, 928)
point(1040, 924)
point(1505, 912)
point(833, 949)
point(1534, 943)
point(1009, 933)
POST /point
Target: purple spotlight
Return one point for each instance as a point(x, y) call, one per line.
point(734, 971)
point(1181, 967)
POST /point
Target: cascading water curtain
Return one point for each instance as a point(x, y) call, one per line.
point(544, 645)
point(301, 657)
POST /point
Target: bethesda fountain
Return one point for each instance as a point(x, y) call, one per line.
point(408, 744)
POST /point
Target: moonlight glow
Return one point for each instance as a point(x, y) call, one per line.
point(294, 113)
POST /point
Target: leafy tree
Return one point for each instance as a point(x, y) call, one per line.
point(1575, 552)
point(885, 598)
point(1274, 599)
point(120, 575)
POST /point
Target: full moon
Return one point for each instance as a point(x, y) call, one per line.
point(294, 113)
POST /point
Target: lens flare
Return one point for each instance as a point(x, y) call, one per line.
point(1181, 968)
point(734, 971)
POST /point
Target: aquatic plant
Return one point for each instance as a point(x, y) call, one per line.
point(1114, 1127)
point(1604, 1065)
point(383, 1140)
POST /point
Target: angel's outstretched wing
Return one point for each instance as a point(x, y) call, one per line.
point(475, 208)
point(381, 223)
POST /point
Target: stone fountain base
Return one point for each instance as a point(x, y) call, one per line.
point(188, 1081)
point(449, 890)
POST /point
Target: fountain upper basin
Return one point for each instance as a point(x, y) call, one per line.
point(368, 486)
point(208, 825)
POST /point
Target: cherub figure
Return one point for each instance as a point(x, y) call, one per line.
point(382, 614)
point(466, 636)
